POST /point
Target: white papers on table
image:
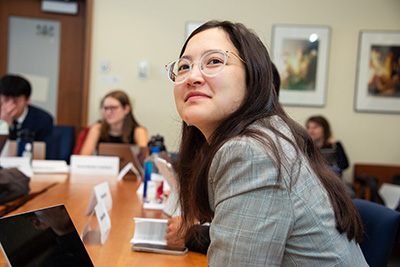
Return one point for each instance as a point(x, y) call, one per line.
point(150, 231)
point(171, 206)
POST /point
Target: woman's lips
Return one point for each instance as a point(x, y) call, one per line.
point(195, 96)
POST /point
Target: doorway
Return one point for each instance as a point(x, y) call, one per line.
point(73, 65)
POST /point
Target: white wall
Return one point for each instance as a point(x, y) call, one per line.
point(126, 32)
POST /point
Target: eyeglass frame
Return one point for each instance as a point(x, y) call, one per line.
point(110, 108)
point(226, 53)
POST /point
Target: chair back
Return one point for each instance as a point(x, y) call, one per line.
point(381, 230)
point(61, 143)
point(80, 140)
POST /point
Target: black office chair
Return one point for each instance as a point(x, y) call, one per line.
point(381, 230)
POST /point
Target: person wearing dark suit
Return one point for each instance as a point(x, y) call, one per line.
point(17, 112)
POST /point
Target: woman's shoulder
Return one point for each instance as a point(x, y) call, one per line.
point(140, 129)
point(241, 145)
point(95, 127)
point(333, 141)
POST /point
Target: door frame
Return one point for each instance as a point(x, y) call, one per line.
point(9, 8)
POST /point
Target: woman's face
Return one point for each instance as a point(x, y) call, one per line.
point(315, 130)
point(206, 101)
point(113, 112)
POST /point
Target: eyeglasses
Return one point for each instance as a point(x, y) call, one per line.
point(110, 108)
point(210, 65)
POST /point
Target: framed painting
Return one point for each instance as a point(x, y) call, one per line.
point(301, 54)
point(378, 72)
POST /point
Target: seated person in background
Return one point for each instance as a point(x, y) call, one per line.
point(118, 125)
point(17, 112)
point(332, 150)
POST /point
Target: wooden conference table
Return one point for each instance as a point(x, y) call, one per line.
point(74, 191)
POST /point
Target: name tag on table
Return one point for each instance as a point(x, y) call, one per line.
point(101, 193)
point(103, 220)
point(23, 164)
point(102, 165)
point(50, 166)
point(126, 169)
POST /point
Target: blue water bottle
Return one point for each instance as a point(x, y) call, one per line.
point(149, 168)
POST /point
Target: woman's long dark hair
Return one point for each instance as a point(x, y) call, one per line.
point(129, 124)
point(261, 102)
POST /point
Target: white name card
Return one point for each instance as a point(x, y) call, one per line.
point(50, 166)
point(126, 169)
point(23, 164)
point(104, 221)
point(100, 193)
point(102, 165)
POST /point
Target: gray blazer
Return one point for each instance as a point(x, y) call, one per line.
point(260, 222)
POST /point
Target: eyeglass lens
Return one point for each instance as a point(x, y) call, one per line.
point(210, 65)
point(110, 108)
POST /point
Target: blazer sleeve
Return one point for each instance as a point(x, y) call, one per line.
point(253, 215)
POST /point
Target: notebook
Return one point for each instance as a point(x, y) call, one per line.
point(44, 237)
point(126, 153)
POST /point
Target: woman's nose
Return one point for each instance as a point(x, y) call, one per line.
point(195, 76)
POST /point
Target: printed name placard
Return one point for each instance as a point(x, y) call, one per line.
point(103, 220)
point(50, 166)
point(23, 164)
point(100, 193)
point(102, 165)
point(126, 169)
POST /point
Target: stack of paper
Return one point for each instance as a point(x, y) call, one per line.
point(150, 231)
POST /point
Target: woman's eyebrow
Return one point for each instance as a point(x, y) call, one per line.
point(204, 52)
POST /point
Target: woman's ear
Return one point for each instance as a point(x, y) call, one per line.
point(127, 109)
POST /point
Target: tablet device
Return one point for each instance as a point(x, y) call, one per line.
point(44, 237)
point(126, 153)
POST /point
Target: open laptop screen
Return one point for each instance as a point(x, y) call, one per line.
point(126, 153)
point(45, 237)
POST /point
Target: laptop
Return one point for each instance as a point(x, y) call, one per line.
point(3, 140)
point(44, 237)
point(126, 153)
point(10, 150)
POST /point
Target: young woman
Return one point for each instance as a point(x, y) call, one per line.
point(331, 149)
point(247, 168)
point(117, 125)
